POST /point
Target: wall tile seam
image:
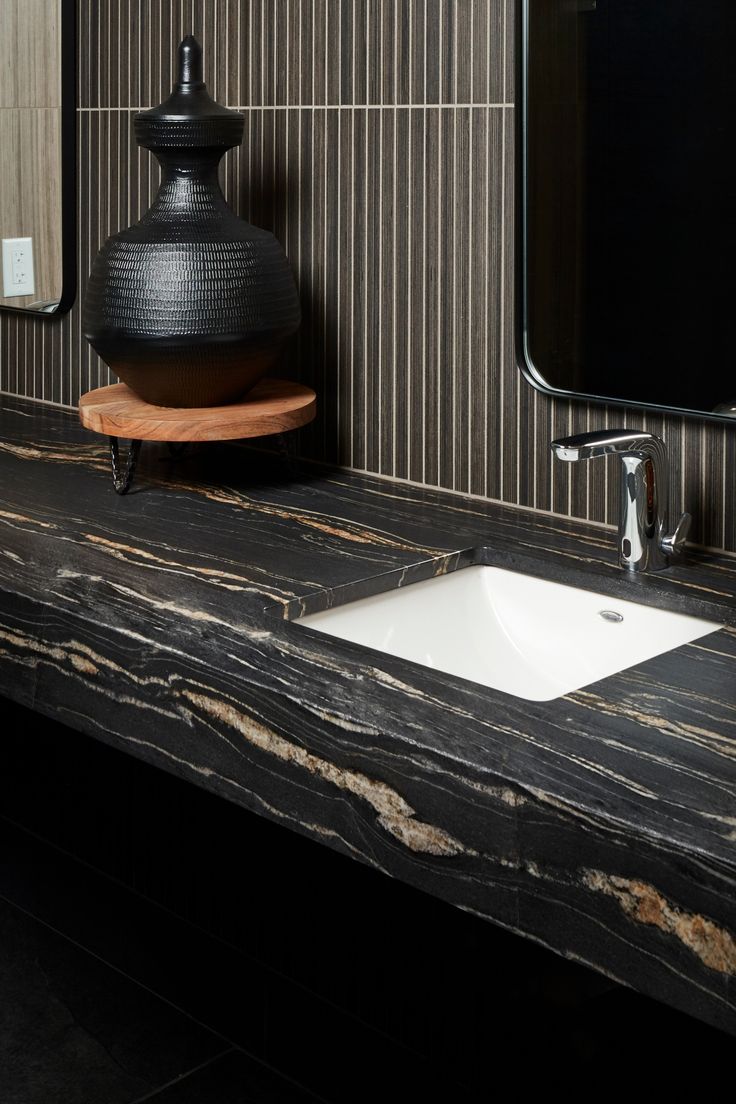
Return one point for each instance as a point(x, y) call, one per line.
point(250, 108)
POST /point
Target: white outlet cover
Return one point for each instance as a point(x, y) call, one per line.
point(18, 267)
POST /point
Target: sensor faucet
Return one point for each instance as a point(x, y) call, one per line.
point(642, 543)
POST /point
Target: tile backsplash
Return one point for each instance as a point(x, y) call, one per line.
point(379, 148)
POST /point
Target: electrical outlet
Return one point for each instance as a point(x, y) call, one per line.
point(18, 267)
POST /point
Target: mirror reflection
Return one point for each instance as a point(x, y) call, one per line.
point(31, 130)
point(629, 220)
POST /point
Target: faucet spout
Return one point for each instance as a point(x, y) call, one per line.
point(642, 544)
point(586, 446)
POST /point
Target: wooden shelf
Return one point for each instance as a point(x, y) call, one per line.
point(273, 406)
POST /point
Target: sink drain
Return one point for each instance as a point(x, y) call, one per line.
point(611, 615)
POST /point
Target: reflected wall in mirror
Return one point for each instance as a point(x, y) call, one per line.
point(37, 163)
point(630, 201)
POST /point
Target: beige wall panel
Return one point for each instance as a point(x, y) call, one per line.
point(30, 56)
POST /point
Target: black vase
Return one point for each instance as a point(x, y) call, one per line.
point(192, 305)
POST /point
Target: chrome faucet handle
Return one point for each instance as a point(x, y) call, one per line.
point(674, 543)
point(642, 544)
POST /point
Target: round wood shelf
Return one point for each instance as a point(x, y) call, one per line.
point(273, 406)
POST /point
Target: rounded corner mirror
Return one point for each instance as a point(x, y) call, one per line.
point(627, 207)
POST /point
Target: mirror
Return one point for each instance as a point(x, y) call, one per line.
point(37, 170)
point(628, 217)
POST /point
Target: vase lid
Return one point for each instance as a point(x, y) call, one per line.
point(189, 117)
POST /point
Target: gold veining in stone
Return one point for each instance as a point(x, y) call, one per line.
point(714, 946)
point(394, 813)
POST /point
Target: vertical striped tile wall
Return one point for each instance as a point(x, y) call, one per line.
point(379, 148)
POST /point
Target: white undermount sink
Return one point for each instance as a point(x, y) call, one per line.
point(527, 636)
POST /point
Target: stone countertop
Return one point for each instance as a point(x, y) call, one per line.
point(602, 824)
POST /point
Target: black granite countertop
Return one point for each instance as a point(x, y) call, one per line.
point(602, 824)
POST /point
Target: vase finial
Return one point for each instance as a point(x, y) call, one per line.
point(189, 117)
point(190, 61)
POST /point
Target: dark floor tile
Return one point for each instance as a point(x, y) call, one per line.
point(185, 966)
point(75, 1031)
point(309, 1039)
point(233, 1079)
point(344, 1062)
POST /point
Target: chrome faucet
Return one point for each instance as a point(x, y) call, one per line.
point(642, 543)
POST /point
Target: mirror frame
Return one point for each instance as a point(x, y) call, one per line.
point(521, 330)
point(68, 168)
